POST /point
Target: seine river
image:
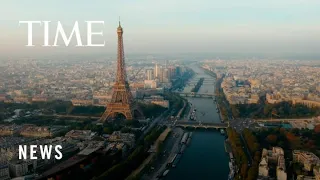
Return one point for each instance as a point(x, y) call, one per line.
point(205, 157)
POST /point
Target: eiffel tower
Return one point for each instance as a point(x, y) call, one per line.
point(122, 100)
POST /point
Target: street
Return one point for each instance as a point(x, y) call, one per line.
point(171, 147)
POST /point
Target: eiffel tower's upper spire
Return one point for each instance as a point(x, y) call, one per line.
point(119, 29)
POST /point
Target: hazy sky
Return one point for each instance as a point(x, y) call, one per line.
point(281, 26)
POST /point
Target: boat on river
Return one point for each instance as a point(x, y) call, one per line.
point(165, 173)
point(188, 141)
point(193, 116)
point(183, 147)
point(175, 162)
point(184, 138)
point(173, 158)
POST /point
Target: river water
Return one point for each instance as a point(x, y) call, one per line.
point(205, 158)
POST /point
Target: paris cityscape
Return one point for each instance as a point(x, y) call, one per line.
point(190, 112)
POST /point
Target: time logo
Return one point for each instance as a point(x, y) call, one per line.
point(60, 31)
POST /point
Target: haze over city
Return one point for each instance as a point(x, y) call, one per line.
point(260, 27)
point(226, 90)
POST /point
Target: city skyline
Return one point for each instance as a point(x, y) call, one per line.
point(169, 90)
point(168, 27)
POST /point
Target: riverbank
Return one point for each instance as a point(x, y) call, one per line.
point(124, 168)
point(175, 156)
point(183, 110)
point(220, 100)
point(156, 146)
point(232, 163)
point(171, 147)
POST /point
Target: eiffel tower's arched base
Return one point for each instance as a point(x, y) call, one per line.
point(130, 112)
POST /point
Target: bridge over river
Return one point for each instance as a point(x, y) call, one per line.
point(196, 95)
point(282, 120)
point(206, 81)
point(199, 124)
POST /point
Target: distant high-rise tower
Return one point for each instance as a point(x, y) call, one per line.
point(122, 101)
point(157, 72)
point(149, 74)
point(166, 75)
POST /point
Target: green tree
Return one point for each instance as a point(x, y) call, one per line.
point(107, 130)
point(272, 139)
point(244, 169)
point(252, 173)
